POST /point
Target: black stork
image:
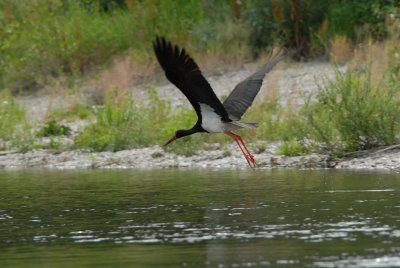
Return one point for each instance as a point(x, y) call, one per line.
point(213, 116)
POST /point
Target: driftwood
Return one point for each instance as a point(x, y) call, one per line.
point(371, 152)
point(391, 147)
point(7, 152)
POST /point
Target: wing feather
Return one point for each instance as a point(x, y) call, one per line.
point(242, 96)
point(184, 73)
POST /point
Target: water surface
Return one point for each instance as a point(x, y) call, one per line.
point(199, 218)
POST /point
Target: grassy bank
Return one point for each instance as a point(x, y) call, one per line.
point(352, 112)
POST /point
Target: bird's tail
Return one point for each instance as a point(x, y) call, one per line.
point(245, 125)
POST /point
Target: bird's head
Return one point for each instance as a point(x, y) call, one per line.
point(178, 134)
point(171, 140)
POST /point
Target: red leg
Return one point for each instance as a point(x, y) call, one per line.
point(247, 155)
point(233, 136)
point(240, 147)
point(247, 150)
point(248, 159)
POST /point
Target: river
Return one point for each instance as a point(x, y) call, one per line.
point(199, 218)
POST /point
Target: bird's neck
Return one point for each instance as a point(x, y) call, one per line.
point(186, 132)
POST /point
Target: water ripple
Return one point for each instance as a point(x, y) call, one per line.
point(385, 261)
point(186, 232)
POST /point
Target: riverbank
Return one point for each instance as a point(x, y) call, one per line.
point(289, 83)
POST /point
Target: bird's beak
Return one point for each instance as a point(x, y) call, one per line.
point(171, 140)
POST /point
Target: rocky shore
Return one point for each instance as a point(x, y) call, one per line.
point(156, 157)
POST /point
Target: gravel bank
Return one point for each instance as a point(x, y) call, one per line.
point(156, 157)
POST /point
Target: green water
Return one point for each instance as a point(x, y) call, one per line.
point(199, 218)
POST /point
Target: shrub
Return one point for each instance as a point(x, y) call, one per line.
point(351, 114)
point(52, 128)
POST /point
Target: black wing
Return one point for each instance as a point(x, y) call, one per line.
point(242, 96)
point(184, 73)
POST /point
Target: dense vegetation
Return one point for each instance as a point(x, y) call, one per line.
point(48, 39)
point(51, 38)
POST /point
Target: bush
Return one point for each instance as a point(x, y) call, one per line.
point(351, 114)
point(306, 26)
point(359, 20)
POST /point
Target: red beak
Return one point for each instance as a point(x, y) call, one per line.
point(171, 140)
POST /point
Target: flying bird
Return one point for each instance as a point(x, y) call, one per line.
point(213, 116)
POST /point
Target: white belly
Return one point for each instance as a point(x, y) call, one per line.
point(211, 121)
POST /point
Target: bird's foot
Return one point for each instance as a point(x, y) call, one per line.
point(250, 160)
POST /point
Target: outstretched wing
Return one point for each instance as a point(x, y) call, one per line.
point(184, 73)
point(242, 96)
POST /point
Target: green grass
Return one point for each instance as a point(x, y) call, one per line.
point(293, 148)
point(79, 111)
point(120, 124)
point(53, 128)
point(15, 131)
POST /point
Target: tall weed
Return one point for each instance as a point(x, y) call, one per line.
point(15, 131)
